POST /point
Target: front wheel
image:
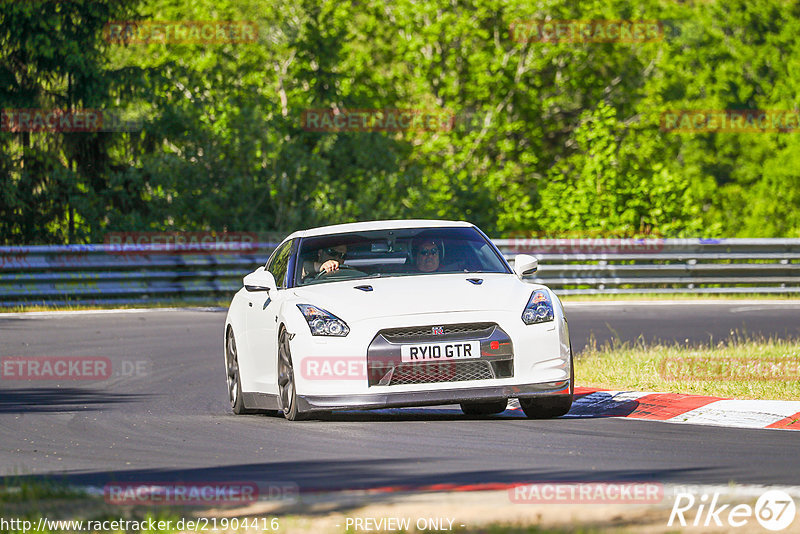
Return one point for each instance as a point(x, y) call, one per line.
point(234, 376)
point(484, 408)
point(546, 407)
point(287, 394)
point(556, 406)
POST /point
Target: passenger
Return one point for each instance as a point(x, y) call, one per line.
point(427, 255)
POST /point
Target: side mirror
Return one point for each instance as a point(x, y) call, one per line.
point(525, 264)
point(259, 280)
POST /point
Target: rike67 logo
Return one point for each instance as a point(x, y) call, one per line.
point(774, 510)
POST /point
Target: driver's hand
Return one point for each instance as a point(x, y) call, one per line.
point(329, 266)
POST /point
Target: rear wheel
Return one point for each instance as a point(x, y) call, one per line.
point(287, 394)
point(484, 408)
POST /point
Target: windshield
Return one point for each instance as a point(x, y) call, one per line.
point(396, 252)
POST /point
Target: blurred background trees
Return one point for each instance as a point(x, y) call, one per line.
point(549, 138)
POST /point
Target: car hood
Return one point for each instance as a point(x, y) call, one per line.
point(418, 294)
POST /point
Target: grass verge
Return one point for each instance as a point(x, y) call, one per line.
point(177, 303)
point(225, 302)
point(67, 510)
point(739, 368)
point(23, 503)
point(59, 507)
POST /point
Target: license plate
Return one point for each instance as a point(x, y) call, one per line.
point(440, 352)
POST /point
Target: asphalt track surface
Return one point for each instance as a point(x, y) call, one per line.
point(169, 419)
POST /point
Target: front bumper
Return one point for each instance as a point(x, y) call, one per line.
point(370, 401)
point(541, 355)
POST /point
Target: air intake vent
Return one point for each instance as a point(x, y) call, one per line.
point(446, 332)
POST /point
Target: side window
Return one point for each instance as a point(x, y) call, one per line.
point(278, 264)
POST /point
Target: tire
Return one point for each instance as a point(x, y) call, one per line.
point(234, 376)
point(287, 393)
point(546, 407)
point(484, 408)
point(555, 406)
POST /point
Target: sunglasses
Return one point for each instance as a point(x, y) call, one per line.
point(429, 252)
point(333, 253)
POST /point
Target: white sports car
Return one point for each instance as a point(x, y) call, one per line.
point(396, 313)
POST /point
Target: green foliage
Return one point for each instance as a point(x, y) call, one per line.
point(616, 184)
point(549, 137)
point(52, 57)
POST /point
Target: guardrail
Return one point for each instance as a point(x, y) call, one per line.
point(103, 274)
point(592, 266)
point(106, 274)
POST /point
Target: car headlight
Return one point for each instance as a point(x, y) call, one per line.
point(539, 308)
point(322, 322)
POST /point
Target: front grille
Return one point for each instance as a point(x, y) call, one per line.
point(414, 373)
point(413, 334)
point(386, 366)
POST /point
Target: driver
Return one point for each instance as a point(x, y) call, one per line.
point(328, 260)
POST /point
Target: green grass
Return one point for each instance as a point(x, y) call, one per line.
point(225, 302)
point(740, 368)
point(31, 501)
point(22, 491)
point(176, 303)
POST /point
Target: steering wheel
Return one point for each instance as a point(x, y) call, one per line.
point(323, 274)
